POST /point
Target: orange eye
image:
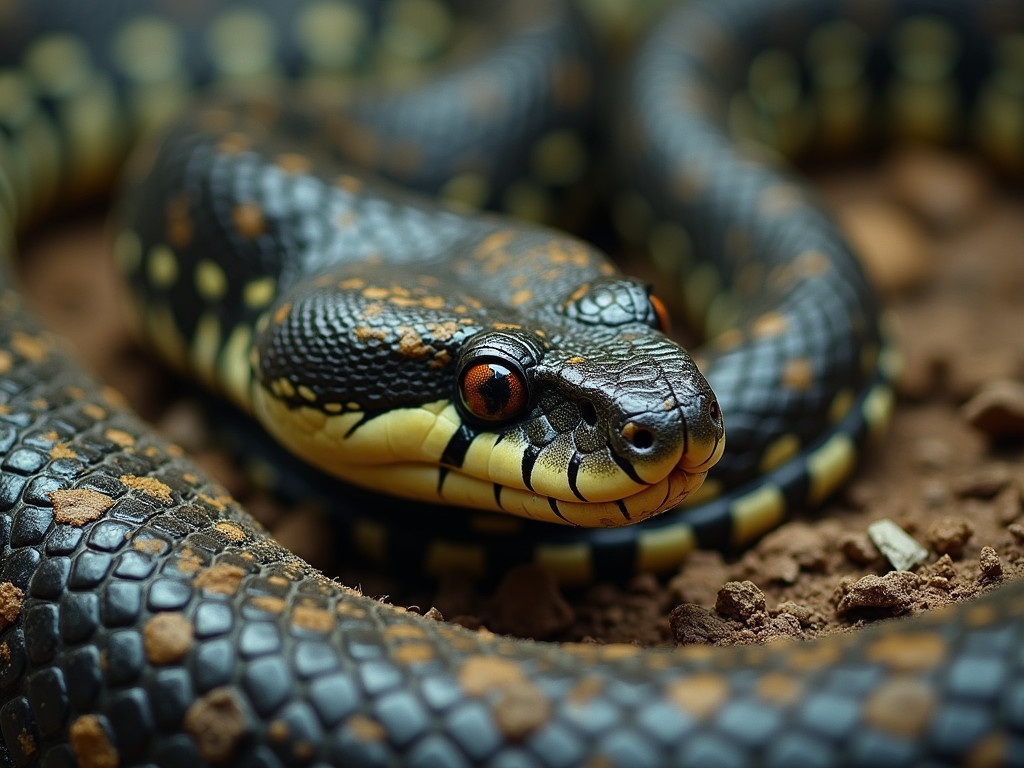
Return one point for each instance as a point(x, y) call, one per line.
point(493, 392)
point(661, 312)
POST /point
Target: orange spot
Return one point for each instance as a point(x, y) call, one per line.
point(248, 220)
point(293, 163)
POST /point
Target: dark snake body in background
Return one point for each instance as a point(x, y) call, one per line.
point(148, 620)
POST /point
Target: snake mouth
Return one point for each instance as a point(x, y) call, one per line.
point(403, 454)
point(423, 482)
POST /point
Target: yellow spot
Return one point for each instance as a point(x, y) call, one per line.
point(798, 374)
point(901, 707)
point(282, 312)
point(365, 729)
point(769, 324)
point(31, 348)
point(293, 163)
point(699, 695)
point(840, 405)
point(241, 43)
point(779, 451)
point(62, 451)
point(661, 549)
point(350, 184)
point(91, 745)
point(162, 267)
point(78, 506)
point(829, 466)
point(166, 638)
point(94, 412)
point(811, 263)
point(570, 563)
point(233, 143)
point(211, 282)
point(258, 293)
point(331, 33)
point(908, 652)
point(312, 619)
point(148, 485)
point(756, 513)
point(877, 409)
point(520, 297)
point(779, 688)
point(120, 437)
point(205, 346)
point(148, 50)
point(235, 372)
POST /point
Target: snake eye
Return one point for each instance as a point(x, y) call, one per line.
point(493, 392)
point(660, 313)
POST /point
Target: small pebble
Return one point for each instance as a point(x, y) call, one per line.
point(433, 614)
point(947, 191)
point(949, 535)
point(857, 548)
point(990, 565)
point(892, 593)
point(739, 600)
point(900, 548)
point(803, 614)
point(997, 409)
point(781, 626)
point(693, 624)
point(890, 242)
point(943, 568)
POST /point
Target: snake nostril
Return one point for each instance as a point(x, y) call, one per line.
point(588, 413)
point(639, 437)
point(715, 412)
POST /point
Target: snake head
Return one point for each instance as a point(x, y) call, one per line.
point(595, 419)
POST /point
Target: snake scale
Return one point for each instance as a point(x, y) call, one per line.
point(145, 619)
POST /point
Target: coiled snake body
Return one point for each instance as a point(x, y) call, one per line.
point(147, 620)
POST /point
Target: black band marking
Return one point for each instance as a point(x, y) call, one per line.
point(573, 472)
point(626, 467)
point(455, 452)
point(529, 459)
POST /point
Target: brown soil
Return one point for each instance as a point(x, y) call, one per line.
point(938, 234)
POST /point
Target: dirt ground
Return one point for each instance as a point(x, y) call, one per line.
point(940, 235)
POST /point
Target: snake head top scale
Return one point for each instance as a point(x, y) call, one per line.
point(557, 399)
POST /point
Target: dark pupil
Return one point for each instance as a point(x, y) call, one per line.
point(495, 391)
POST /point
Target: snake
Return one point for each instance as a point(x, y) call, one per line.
point(147, 619)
